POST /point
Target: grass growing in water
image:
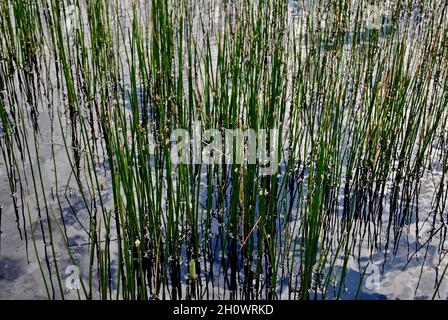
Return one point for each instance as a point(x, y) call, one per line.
point(362, 117)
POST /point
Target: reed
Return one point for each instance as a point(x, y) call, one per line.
point(93, 95)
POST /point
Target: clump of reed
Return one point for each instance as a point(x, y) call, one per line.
point(362, 118)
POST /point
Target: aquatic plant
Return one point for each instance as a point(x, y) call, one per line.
point(91, 97)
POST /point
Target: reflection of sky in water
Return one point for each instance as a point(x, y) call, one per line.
point(389, 280)
point(384, 279)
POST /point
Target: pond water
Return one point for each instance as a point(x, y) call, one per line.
point(401, 255)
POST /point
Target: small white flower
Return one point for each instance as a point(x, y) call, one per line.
point(137, 243)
